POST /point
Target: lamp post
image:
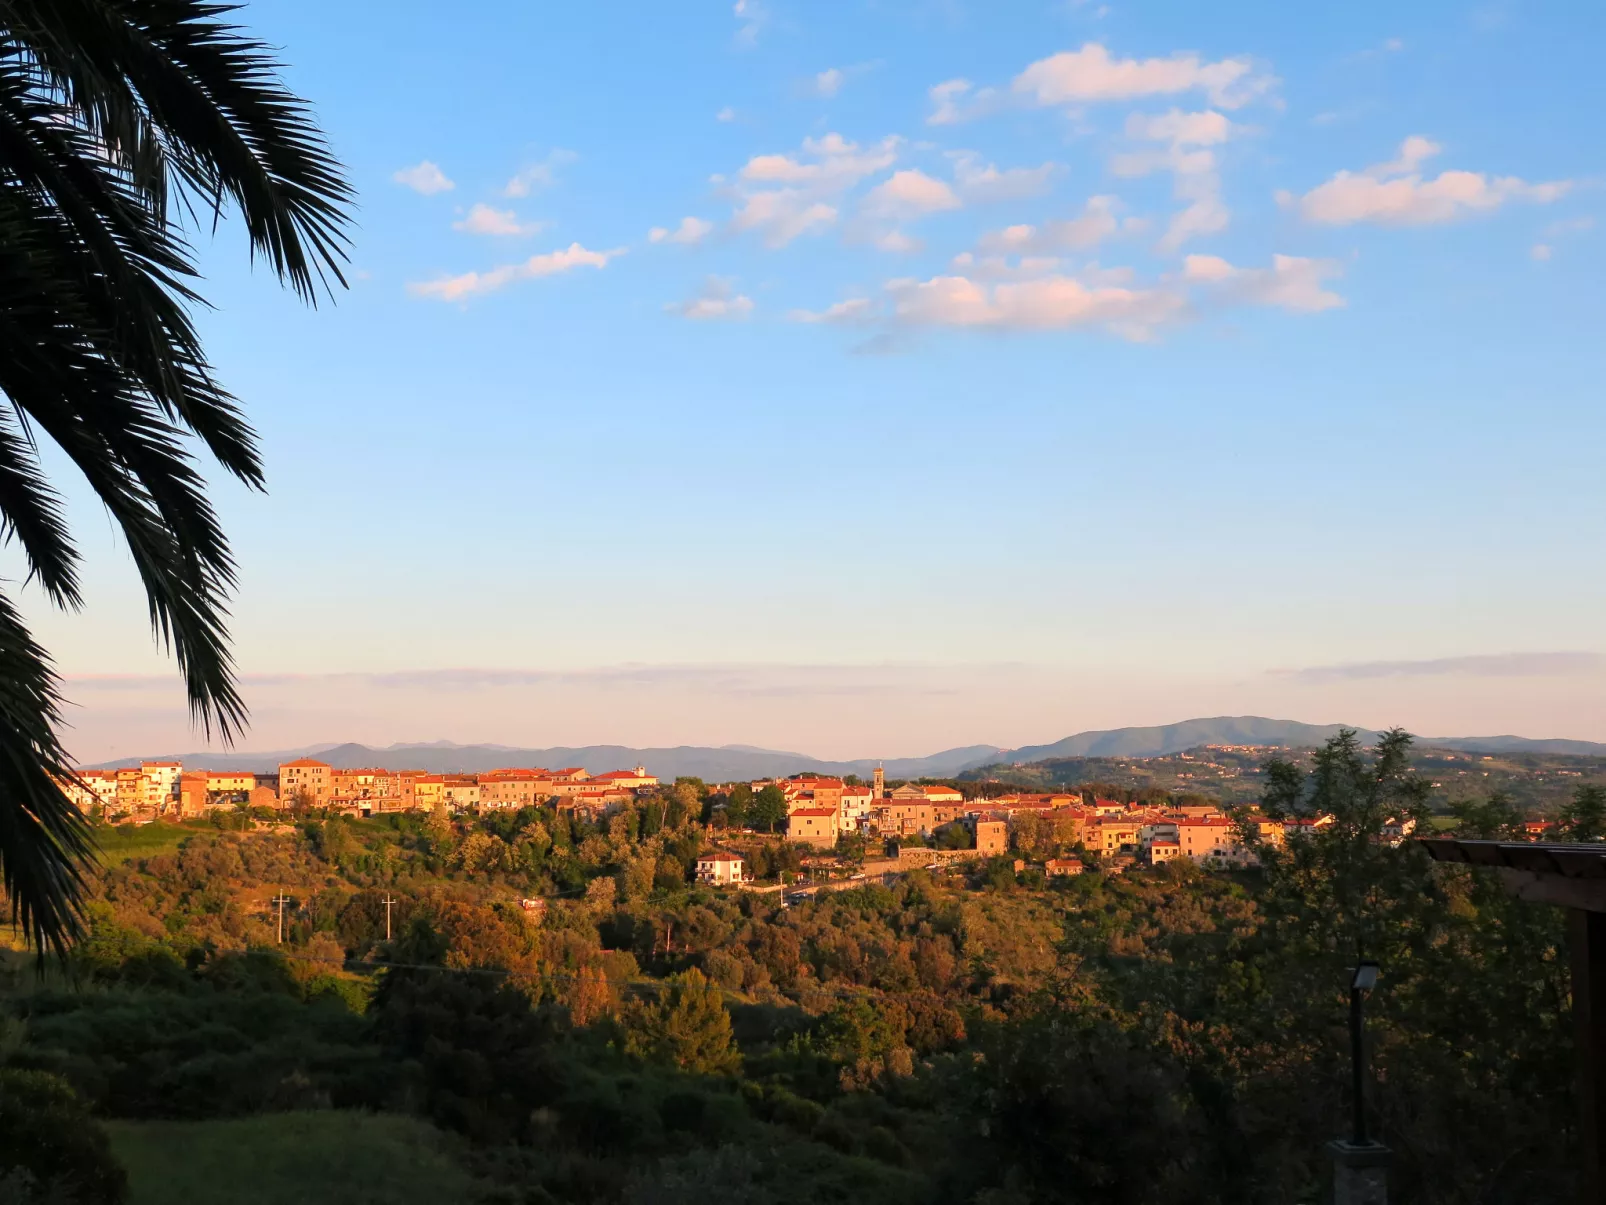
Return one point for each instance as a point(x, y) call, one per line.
point(1360, 1165)
point(1360, 986)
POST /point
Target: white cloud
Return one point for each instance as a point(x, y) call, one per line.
point(781, 215)
point(1180, 129)
point(751, 17)
point(1569, 226)
point(473, 284)
point(1540, 251)
point(853, 311)
point(717, 300)
point(1205, 213)
point(1097, 222)
point(828, 162)
point(425, 177)
point(1033, 267)
point(910, 194)
point(538, 175)
point(725, 114)
point(980, 184)
point(690, 232)
point(829, 82)
point(1195, 179)
point(1291, 283)
point(1047, 303)
point(897, 242)
point(955, 100)
point(992, 293)
point(483, 219)
point(1090, 74)
point(809, 185)
point(1397, 194)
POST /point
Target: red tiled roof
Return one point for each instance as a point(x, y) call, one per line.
point(814, 812)
point(302, 762)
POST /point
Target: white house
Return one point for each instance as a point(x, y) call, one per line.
point(721, 868)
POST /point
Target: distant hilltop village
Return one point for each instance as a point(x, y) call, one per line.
point(819, 811)
point(162, 790)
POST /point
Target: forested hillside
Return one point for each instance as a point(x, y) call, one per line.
point(1540, 783)
point(985, 1037)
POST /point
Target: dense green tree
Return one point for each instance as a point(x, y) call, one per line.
point(686, 1026)
point(769, 808)
point(1584, 817)
point(121, 119)
point(739, 805)
point(51, 1149)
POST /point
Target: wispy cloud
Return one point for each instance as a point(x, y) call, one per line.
point(751, 18)
point(1098, 221)
point(690, 232)
point(1191, 162)
point(1492, 665)
point(718, 300)
point(1291, 283)
point(783, 196)
point(829, 82)
point(473, 284)
point(538, 176)
point(485, 219)
point(985, 183)
point(1093, 75)
point(1396, 193)
point(741, 679)
point(426, 178)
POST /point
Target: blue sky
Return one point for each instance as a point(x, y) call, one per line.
point(1063, 365)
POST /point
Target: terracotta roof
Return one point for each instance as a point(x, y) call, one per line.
point(814, 812)
point(719, 856)
point(303, 762)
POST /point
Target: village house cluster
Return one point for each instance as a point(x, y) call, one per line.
point(822, 810)
point(165, 790)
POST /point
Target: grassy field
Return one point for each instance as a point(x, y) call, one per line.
point(120, 842)
point(291, 1159)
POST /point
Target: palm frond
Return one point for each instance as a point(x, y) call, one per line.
point(43, 838)
point(117, 119)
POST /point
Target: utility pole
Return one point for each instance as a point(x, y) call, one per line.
point(281, 899)
point(388, 903)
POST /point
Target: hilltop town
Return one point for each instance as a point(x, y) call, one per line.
point(916, 824)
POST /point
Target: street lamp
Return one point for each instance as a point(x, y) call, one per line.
point(1360, 1165)
point(1360, 986)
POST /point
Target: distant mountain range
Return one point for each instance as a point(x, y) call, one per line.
point(731, 762)
point(724, 764)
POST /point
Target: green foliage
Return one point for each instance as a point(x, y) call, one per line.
point(739, 805)
point(1584, 817)
point(769, 808)
point(685, 1026)
point(1163, 1035)
point(50, 1148)
point(298, 1158)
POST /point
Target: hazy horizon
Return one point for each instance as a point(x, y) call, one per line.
point(838, 712)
